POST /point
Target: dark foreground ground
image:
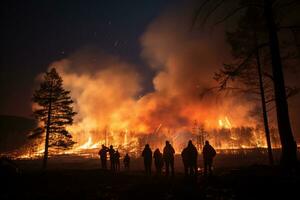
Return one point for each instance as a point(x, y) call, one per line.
point(62, 181)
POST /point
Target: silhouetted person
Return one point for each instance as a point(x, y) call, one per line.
point(117, 160)
point(147, 154)
point(158, 161)
point(126, 162)
point(111, 152)
point(103, 156)
point(168, 155)
point(208, 155)
point(192, 155)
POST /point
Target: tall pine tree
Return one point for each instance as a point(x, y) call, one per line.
point(53, 111)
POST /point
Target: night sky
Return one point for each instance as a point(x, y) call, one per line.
point(36, 33)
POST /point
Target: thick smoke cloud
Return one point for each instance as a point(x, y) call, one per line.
point(185, 62)
point(107, 89)
point(103, 87)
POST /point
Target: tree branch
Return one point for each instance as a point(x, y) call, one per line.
point(230, 74)
point(232, 13)
point(291, 27)
point(266, 74)
point(212, 11)
point(197, 13)
point(287, 4)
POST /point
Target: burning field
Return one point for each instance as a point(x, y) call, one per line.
point(117, 106)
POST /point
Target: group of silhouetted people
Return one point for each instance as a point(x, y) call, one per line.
point(114, 157)
point(163, 159)
point(189, 157)
point(160, 159)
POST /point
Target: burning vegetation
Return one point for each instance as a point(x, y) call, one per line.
point(115, 108)
point(223, 137)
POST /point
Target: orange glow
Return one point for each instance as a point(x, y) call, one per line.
point(224, 136)
point(225, 123)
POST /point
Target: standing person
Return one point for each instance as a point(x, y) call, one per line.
point(103, 156)
point(192, 156)
point(111, 152)
point(147, 154)
point(168, 155)
point(117, 160)
point(126, 162)
point(208, 155)
point(158, 161)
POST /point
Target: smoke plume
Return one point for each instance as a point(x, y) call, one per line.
point(107, 89)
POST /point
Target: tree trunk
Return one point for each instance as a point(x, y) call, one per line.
point(264, 109)
point(289, 147)
point(47, 131)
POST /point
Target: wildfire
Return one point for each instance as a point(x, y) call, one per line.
point(225, 123)
point(89, 144)
point(115, 107)
point(225, 136)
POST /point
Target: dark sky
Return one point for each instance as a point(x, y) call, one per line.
point(36, 33)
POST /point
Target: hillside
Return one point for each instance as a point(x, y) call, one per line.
point(13, 131)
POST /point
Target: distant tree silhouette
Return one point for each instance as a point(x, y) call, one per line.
point(267, 7)
point(53, 111)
